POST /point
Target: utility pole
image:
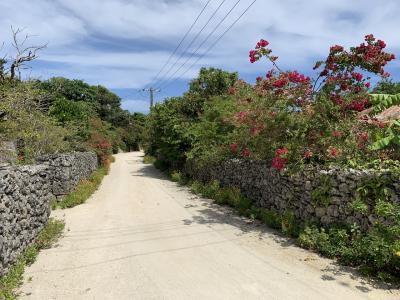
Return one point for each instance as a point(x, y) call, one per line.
point(151, 91)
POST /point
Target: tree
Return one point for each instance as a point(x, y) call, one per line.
point(23, 54)
point(387, 87)
point(212, 82)
point(73, 90)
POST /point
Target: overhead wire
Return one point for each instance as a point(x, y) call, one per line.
point(201, 44)
point(212, 45)
point(193, 40)
point(181, 42)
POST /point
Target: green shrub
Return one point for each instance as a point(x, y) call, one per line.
point(149, 160)
point(271, 218)
point(289, 224)
point(176, 176)
point(359, 206)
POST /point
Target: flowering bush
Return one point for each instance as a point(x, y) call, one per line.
point(293, 121)
point(286, 117)
point(99, 140)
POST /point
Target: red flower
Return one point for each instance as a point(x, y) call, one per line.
point(234, 147)
point(283, 151)
point(358, 105)
point(336, 48)
point(333, 152)
point(381, 44)
point(259, 78)
point(246, 152)
point(297, 78)
point(262, 44)
point(280, 83)
point(280, 160)
point(368, 85)
point(253, 54)
point(277, 163)
point(369, 37)
point(242, 116)
point(307, 154)
point(270, 73)
point(357, 76)
point(256, 130)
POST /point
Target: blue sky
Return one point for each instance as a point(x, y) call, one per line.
point(122, 44)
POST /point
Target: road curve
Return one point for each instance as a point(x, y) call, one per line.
point(141, 236)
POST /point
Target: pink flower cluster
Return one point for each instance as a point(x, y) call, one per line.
point(340, 75)
point(280, 159)
point(261, 50)
point(296, 77)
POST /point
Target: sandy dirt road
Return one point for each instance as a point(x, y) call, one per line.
point(141, 236)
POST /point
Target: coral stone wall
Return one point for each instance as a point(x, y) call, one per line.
point(66, 170)
point(334, 190)
point(25, 196)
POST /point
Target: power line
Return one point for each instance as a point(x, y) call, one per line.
point(204, 41)
point(194, 39)
point(182, 40)
point(212, 45)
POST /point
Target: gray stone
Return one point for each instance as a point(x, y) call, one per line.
point(320, 212)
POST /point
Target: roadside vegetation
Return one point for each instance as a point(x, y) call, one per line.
point(83, 191)
point(295, 122)
point(46, 239)
point(60, 114)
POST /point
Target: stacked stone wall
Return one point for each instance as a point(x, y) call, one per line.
point(322, 196)
point(26, 193)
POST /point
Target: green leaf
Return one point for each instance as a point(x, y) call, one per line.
point(382, 143)
point(381, 102)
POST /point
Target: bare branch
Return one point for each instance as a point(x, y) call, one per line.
point(23, 54)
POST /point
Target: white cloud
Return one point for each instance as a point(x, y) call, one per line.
point(300, 32)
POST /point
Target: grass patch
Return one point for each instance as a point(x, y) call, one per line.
point(149, 160)
point(179, 178)
point(84, 190)
point(13, 279)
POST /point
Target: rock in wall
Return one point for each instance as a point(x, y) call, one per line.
point(25, 196)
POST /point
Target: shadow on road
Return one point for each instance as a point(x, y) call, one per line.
point(217, 214)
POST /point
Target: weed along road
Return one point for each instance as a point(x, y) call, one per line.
point(141, 236)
